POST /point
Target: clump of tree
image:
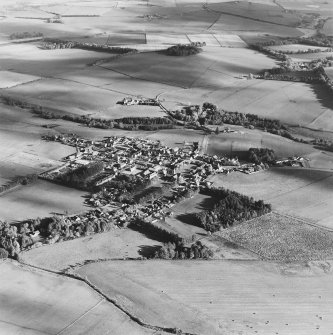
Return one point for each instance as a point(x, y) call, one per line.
point(78, 178)
point(230, 208)
point(25, 34)
point(179, 250)
point(262, 155)
point(149, 194)
point(182, 50)
point(19, 180)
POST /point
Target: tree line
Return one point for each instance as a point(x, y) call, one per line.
point(230, 208)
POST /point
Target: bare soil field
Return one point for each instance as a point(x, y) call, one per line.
point(246, 297)
point(281, 238)
point(302, 193)
point(40, 199)
point(36, 302)
point(115, 244)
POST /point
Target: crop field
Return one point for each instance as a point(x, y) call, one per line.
point(311, 56)
point(36, 302)
point(65, 96)
point(239, 142)
point(29, 59)
point(115, 244)
point(10, 79)
point(168, 39)
point(266, 13)
point(281, 238)
point(40, 199)
point(299, 192)
point(307, 5)
point(207, 69)
point(246, 297)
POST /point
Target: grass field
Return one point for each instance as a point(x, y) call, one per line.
point(329, 72)
point(10, 79)
point(303, 193)
point(281, 238)
point(39, 200)
point(36, 302)
point(245, 297)
point(116, 244)
point(239, 142)
point(328, 27)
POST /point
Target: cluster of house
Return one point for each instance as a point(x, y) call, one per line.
point(292, 161)
point(183, 167)
point(128, 101)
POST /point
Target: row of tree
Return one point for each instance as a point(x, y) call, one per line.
point(19, 180)
point(179, 250)
point(262, 155)
point(182, 50)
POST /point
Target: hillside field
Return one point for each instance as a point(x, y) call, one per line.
point(246, 297)
point(36, 302)
point(302, 193)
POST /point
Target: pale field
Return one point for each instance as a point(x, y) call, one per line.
point(244, 297)
point(328, 27)
point(308, 5)
point(154, 307)
point(9, 79)
point(68, 96)
point(329, 72)
point(75, 10)
point(281, 238)
point(299, 192)
point(268, 13)
point(40, 199)
point(115, 244)
point(36, 302)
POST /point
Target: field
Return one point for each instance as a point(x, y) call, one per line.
point(40, 199)
point(116, 244)
point(36, 302)
point(10, 79)
point(302, 193)
point(246, 297)
point(328, 28)
point(281, 238)
point(239, 142)
point(295, 48)
point(329, 72)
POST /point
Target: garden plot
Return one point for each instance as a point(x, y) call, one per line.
point(36, 302)
point(9, 79)
point(249, 297)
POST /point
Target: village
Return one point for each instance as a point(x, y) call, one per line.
point(180, 172)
